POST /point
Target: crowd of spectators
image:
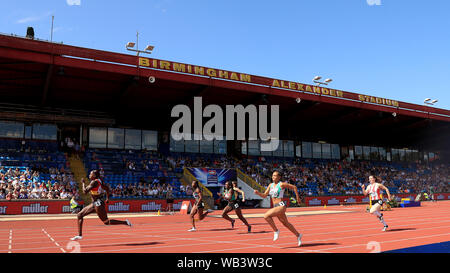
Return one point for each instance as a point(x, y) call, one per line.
point(328, 177)
point(332, 177)
point(343, 177)
point(17, 183)
point(148, 190)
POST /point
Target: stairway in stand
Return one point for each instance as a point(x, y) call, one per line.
point(79, 172)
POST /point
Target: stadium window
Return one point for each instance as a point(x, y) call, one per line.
point(358, 152)
point(382, 152)
point(351, 153)
point(11, 129)
point(374, 154)
point(326, 151)
point(116, 138)
point(176, 146)
point(45, 131)
point(395, 155)
point(298, 150)
point(335, 151)
point(206, 146)
point(265, 153)
point(28, 131)
point(402, 154)
point(409, 155)
point(317, 150)
point(253, 147)
point(97, 137)
point(288, 148)
point(133, 139)
point(220, 146)
point(279, 151)
point(306, 149)
point(416, 156)
point(244, 147)
point(388, 157)
point(150, 140)
point(366, 152)
point(192, 146)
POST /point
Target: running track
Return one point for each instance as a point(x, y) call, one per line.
point(355, 231)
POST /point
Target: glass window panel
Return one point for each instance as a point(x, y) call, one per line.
point(395, 155)
point(298, 151)
point(279, 150)
point(326, 151)
point(220, 146)
point(335, 151)
point(150, 140)
point(374, 154)
point(265, 153)
point(133, 139)
point(253, 147)
point(176, 146)
point(45, 131)
point(206, 146)
point(11, 129)
point(28, 132)
point(358, 152)
point(288, 147)
point(317, 150)
point(97, 137)
point(244, 147)
point(366, 153)
point(306, 149)
point(382, 154)
point(192, 146)
point(116, 138)
point(402, 154)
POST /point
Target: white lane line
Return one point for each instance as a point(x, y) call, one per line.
point(10, 241)
point(53, 240)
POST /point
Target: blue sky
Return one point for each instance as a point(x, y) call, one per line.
point(399, 49)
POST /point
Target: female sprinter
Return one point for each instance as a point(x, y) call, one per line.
point(198, 205)
point(276, 191)
point(97, 189)
point(374, 190)
point(231, 195)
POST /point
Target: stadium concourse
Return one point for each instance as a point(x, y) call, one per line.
point(67, 110)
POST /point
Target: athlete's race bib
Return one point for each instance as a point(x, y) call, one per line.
point(98, 203)
point(236, 205)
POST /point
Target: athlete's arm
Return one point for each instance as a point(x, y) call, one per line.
point(363, 189)
point(200, 196)
point(241, 192)
point(291, 187)
point(386, 189)
point(265, 194)
point(89, 187)
point(107, 190)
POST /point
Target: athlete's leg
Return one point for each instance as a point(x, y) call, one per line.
point(202, 214)
point(225, 212)
point(101, 212)
point(192, 215)
point(80, 215)
point(241, 217)
point(375, 210)
point(283, 219)
point(271, 213)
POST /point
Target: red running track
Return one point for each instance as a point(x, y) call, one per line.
point(354, 232)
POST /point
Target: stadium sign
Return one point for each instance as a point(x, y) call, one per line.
point(119, 207)
point(246, 78)
point(35, 208)
point(3, 210)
